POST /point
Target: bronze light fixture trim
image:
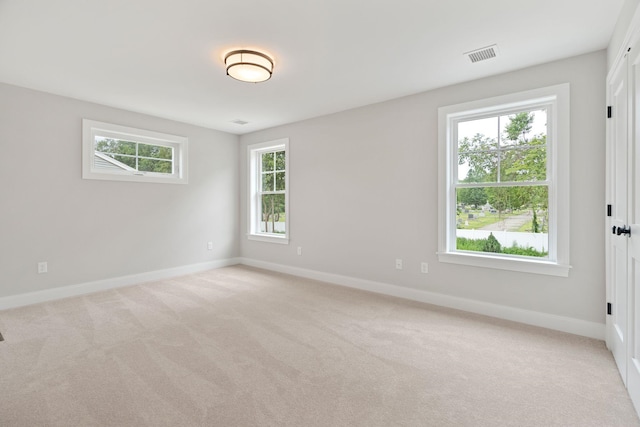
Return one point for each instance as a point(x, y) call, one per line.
point(249, 65)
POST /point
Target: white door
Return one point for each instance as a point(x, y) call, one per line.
point(633, 239)
point(623, 238)
point(617, 288)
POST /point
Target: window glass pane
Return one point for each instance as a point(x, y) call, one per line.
point(273, 214)
point(155, 151)
point(524, 164)
point(477, 142)
point(280, 160)
point(280, 181)
point(267, 162)
point(268, 188)
point(155, 165)
point(118, 152)
point(102, 144)
point(522, 148)
point(115, 146)
point(522, 128)
point(481, 134)
point(127, 160)
point(507, 220)
point(267, 181)
point(480, 166)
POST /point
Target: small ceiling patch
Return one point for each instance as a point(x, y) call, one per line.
point(482, 54)
point(239, 122)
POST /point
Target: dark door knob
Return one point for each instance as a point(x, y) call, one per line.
point(624, 230)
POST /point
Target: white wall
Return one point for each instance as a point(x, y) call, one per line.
point(363, 192)
point(89, 230)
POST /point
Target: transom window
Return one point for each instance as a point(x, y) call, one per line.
point(505, 173)
point(116, 152)
point(268, 165)
point(131, 155)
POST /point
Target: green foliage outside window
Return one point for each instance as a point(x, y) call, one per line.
point(492, 245)
point(139, 156)
point(501, 174)
point(516, 157)
point(273, 185)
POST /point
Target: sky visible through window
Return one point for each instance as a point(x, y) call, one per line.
point(489, 128)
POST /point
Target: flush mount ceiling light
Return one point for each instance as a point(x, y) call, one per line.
point(248, 66)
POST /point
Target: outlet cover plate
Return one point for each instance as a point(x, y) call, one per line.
point(42, 267)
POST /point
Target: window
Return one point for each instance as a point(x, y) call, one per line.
point(120, 153)
point(269, 197)
point(504, 180)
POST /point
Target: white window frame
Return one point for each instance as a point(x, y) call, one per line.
point(254, 168)
point(92, 129)
point(556, 100)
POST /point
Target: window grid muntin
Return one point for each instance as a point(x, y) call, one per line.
point(498, 113)
point(259, 192)
point(274, 172)
point(456, 184)
point(92, 129)
point(136, 156)
point(558, 98)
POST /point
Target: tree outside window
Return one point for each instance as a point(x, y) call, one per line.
point(136, 155)
point(273, 186)
point(121, 153)
point(502, 191)
point(268, 191)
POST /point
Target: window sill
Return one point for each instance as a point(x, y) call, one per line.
point(133, 177)
point(271, 238)
point(548, 268)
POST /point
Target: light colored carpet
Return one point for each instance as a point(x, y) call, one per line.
point(244, 347)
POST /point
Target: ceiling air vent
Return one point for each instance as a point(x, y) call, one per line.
point(483, 53)
point(239, 122)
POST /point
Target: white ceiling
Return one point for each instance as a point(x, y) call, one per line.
point(165, 57)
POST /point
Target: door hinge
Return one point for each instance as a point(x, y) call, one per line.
point(609, 308)
point(608, 210)
point(609, 112)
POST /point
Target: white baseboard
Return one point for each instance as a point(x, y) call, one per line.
point(545, 320)
point(529, 317)
point(106, 284)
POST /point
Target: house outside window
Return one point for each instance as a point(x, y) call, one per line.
point(269, 191)
point(504, 176)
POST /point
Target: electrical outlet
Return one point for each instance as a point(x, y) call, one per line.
point(424, 267)
point(299, 250)
point(398, 264)
point(210, 246)
point(42, 267)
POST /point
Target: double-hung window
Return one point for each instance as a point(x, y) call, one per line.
point(268, 189)
point(120, 153)
point(504, 182)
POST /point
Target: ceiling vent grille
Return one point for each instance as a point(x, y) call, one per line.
point(483, 54)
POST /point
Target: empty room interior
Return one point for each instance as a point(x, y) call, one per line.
point(411, 213)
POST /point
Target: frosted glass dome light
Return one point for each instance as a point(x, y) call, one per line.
point(249, 66)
